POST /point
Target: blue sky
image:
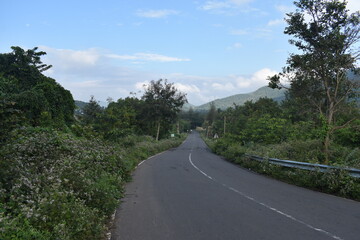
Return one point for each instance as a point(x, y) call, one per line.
point(109, 48)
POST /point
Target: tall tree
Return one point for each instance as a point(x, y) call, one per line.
point(163, 102)
point(40, 99)
point(211, 115)
point(92, 111)
point(325, 33)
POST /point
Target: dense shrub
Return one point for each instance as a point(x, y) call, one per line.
point(54, 185)
point(336, 182)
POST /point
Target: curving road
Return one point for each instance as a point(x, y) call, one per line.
point(190, 193)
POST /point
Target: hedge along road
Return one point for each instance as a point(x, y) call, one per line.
point(190, 193)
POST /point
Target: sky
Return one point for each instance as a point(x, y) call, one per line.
point(111, 48)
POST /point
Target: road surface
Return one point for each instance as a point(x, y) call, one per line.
point(191, 193)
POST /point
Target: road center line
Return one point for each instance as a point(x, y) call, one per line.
point(199, 168)
point(265, 205)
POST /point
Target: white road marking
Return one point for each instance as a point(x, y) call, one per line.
point(198, 168)
point(141, 162)
point(150, 158)
point(265, 205)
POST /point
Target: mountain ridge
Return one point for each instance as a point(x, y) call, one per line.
point(240, 99)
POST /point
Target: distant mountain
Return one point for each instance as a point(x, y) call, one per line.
point(187, 106)
point(240, 99)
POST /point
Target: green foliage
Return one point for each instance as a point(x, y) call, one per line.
point(318, 74)
point(162, 102)
point(19, 228)
point(61, 179)
point(154, 114)
point(39, 99)
point(349, 135)
point(121, 119)
point(54, 185)
point(10, 118)
point(194, 118)
point(265, 129)
point(336, 182)
point(92, 112)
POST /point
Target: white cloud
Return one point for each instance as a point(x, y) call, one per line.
point(223, 87)
point(238, 32)
point(162, 13)
point(210, 5)
point(187, 88)
point(87, 84)
point(240, 2)
point(74, 57)
point(141, 85)
point(227, 7)
point(236, 45)
point(285, 8)
point(276, 22)
point(148, 57)
point(92, 72)
point(258, 79)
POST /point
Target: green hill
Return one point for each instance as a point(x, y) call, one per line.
point(240, 99)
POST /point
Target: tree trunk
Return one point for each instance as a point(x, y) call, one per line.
point(329, 131)
point(158, 131)
point(327, 147)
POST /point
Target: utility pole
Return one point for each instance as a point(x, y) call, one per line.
point(224, 125)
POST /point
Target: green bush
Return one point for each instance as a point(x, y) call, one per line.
point(19, 228)
point(336, 182)
point(54, 185)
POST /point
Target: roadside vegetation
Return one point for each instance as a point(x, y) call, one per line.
point(319, 120)
point(62, 176)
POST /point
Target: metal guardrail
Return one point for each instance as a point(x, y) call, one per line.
point(303, 165)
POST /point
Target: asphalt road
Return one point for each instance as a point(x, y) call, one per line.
point(189, 193)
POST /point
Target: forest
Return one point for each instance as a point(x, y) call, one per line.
point(62, 174)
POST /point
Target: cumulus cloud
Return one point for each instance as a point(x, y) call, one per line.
point(223, 87)
point(187, 88)
point(258, 79)
point(74, 57)
point(162, 13)
point(93, 72)
point(141, 85)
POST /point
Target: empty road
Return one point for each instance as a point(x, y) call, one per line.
point(191, 193)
